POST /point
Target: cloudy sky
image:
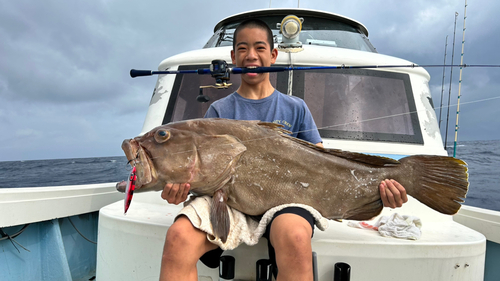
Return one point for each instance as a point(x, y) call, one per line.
point(65, 91)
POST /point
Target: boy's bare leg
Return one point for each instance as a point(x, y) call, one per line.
point(290, 236)
point(184, 245)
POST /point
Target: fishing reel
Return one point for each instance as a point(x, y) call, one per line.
point(221, 72)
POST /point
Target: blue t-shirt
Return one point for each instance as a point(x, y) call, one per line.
point(289, 111)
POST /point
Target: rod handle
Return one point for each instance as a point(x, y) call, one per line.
point(135, 72)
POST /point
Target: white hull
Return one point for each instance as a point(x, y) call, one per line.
point(447, 250)
point(130, 246)
point(34, 204)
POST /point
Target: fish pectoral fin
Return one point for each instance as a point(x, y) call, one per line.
point(219, 149)
point(219, 216)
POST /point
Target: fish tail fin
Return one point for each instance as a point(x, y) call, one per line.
point(439, 182)
point(219, 216)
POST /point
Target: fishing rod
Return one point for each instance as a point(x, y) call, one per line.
point(220, 70)
point(220, 67)
point(241, 70)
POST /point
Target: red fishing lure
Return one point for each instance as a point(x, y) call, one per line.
point(129, 190)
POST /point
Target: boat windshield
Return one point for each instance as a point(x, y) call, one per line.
point(355, 104)
point(315, 31)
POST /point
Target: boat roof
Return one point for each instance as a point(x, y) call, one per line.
point(295, 11)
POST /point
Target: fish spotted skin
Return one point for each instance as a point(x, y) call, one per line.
point(254, 166)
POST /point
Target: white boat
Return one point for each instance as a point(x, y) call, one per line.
point(381, 111)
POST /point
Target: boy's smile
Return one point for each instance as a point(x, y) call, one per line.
point(253, 50)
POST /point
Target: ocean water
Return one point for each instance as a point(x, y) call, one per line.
point(57, 172)
point(482, 157)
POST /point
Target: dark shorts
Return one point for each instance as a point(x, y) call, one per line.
point(211, 258)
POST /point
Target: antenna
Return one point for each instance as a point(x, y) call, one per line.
point(442, 83)
point(451, 77)
point(460, 82)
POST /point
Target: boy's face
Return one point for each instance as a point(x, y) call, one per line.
point(252, 49)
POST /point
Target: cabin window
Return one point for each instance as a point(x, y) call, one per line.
point(183, 104)
point(315, 31)
point(360, 104)
point(356, 104)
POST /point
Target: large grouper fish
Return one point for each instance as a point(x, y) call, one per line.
point(254, 166)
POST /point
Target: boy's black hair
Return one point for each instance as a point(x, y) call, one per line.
point(254, 23)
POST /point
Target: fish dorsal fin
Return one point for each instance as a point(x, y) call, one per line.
point(364, 158)
point(275, 127)
point(354, 156)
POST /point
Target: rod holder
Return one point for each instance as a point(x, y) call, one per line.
point(226, 268)
point(264, 270)
point(342, 272)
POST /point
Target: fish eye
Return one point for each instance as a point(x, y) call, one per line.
point(162, 136)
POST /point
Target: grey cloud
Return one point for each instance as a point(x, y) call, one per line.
point(64, 65)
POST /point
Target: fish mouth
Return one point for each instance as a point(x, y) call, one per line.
point(139, 157)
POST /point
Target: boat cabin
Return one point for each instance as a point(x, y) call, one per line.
point(381, 107)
